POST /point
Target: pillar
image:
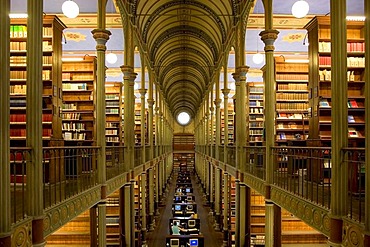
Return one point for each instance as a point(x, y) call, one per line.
point(339, 128)
point(143, 119)
point(34, 120)
point(5, 215)
point(151, 199)
point(93, 226)
point(226, 92)
point(367, 124)
point(226, 209)
point(218, 180)
point(143, 207)
point(101, 36)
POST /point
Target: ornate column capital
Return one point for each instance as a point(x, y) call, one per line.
point(217, 103)
point(101, 37)
point(150, 102)
point(142, 92)
point(269, 37)
point(242, 70)
point(225, 92)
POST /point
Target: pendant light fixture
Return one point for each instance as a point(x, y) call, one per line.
point(70, 9)
point(257, 57)
point(111, 58)
point(300, 9)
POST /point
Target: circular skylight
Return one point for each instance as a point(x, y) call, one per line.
point(183, 118)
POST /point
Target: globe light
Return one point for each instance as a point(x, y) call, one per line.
point(300, 9)
point(183, 118)
point(111, 58)
point(70, 9)
point(258, 58)
point(136, 86)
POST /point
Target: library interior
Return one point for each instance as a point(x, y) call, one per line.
point(176, 123)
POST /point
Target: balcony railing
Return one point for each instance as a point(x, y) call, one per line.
point(304, 171)
point(115, 156)
point(355, 161)
point(68, 171)
point(256, 161)
point(18, 181)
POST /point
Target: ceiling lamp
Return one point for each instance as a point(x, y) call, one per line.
point(300, 9)
point(111, 58)
point(258, 58)
point(70, 9)
point(183, 118)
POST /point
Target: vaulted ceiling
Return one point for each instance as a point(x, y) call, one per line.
point(184, 40)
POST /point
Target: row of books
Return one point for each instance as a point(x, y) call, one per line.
point(22, 132)
point(292, 77)
point(112, 138)
point(22, 60)
point(22, 74)
point(292, 96)
point(111, 132)
point(255, 103)
point(77, 66)
point(22, 118)
point(74, 86)
point(256, 97)
point(351, 47)
point(66, 106)
point(20, 31)
point(111, 125)
point(256, 90)
point(255, 124)
point(351, 61)
point(292, 86)
point(18, 102)
point(112, 111)
point(256, 110)
point(71, 116)
point(74, 136)
point(22, 46)
point(111, 97)
point(73, 126)
point(283, 115)
point(112, 103)
point(292, 106)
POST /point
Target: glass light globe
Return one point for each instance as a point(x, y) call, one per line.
point(300, 9)
point(70, 9)
point(111, 58)
point(257, 58)
point(183, 118)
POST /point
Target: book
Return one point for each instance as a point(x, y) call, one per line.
point(351, 119)
point(324, 103)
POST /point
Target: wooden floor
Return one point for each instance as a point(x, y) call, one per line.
point(157, 238)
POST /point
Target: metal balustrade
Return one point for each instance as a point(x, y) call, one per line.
point(68, 171)
point(355, 161)
point(115, 157)
point(18, 182)
point(256, 161)
point(304, 171)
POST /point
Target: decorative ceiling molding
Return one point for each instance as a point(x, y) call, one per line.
point(280, 21)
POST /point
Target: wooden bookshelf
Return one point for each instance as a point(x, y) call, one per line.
point(51, 86)
point(291, 102)
point(320, 80)
point(256, 108)
point(227, 129)
point(79, 101)
point(113, 128)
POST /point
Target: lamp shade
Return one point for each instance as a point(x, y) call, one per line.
point(70, 9)
point(257, 58)
point(183, 118)
point(300, 9)
point(111, 58)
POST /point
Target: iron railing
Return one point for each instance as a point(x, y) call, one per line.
point(256, 161)
point(68, 171)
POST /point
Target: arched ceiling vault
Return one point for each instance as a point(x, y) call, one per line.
point(184, 40)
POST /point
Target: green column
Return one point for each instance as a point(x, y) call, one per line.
point(367, 124)
point(143, 206)
point(101, 36)
point(226, 92)
point(217, 103)
point(5, 215)
point(151, 198)
point(34, 120)
point(339, 127)
point(218, 180)
point(226, 208)
point(143, 121)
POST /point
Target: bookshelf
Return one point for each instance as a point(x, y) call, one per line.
point(78, 101)
point(113, 94)
point(52, 50)
point(227, 129)
point(320, 80)
point(291, 102)
point(51, 86)
point(256, 117)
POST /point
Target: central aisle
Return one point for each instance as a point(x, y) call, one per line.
point(157, 238)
